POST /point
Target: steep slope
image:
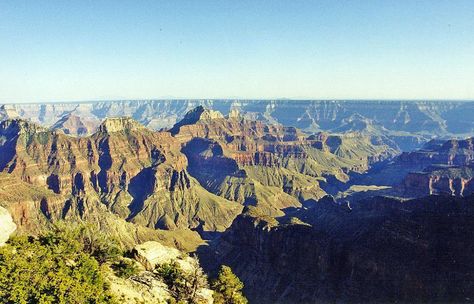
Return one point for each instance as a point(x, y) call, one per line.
point(381, 250)
point(34, 209)
point(196, 176)
point(441, 166)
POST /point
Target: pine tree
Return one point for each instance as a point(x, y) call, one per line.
point(228, 288)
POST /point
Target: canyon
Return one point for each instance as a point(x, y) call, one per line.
point(308, 201)
point(169, 180)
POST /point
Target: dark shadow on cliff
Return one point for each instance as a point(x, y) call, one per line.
point(140, 188)
point(382, 250)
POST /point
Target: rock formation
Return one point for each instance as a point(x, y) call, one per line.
point(269, 165)
point(146, 287)
point(7, 226)
point(444, 167)
point(135, 173)
point(75, 125)
point(256, 190)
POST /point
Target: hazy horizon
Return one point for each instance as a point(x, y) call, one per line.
point(318, 50)
point(177, 99)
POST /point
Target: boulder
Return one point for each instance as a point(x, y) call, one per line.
point(7, 226)
point(152, 253)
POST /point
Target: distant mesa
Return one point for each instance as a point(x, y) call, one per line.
point(75, 125)
point(8, 112)
point(119, 124)
point(195, 115)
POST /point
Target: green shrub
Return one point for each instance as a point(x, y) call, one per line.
point(50, 269)
point(228, 288)
point(125, 268)
point(91, 241)
point(183, 286)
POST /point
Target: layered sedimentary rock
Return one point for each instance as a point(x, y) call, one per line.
point(453, 152)
point(196, 176)
point(444, 167)
point(380, 250)
point(452, 180)
point(270, 166)
point(138, 174)
point(34, 209)
point(439, 167)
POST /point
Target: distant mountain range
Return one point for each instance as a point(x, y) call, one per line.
point(407, 123)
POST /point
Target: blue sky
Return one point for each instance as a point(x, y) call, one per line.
point(83, 50)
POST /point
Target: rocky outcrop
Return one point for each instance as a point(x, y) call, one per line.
point(7, 226)
point(440, 167)
point(146, 286)
point(453, 152)
point(119, 124)
point(267, 165)
point(151, 254)
point(256, 143)
point(197, 176)
point(456, 181)
point(198, 114)
point(142, 288)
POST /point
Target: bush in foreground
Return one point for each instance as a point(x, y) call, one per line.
point(50, 269)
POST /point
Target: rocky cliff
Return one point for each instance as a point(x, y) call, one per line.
point(145, 286)
point(255, 189)
point(135, 173)
point(380, 250)
point(444, 167)
point(439, 167)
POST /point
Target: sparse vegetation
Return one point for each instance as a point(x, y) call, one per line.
point(125, 268)
point(183, 285)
